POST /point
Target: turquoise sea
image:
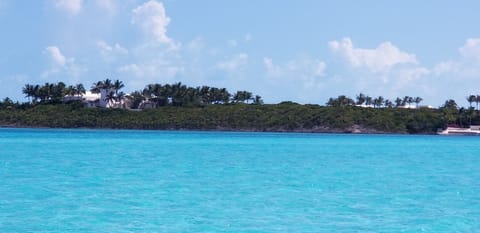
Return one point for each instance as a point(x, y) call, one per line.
point(167, 181)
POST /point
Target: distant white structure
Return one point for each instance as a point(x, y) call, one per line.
point(410, 106)
point(473, 130)
point(92, 100)
point(96, 100)
point(364, 105)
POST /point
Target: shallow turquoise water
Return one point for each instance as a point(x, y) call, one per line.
point(150, 181)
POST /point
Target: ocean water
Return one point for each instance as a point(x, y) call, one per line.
point(166, 181)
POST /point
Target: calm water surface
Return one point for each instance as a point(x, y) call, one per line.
point(150, 181)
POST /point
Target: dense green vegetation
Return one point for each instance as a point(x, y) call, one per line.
point(176, 94)
point(378, 102)
point(208, 108)
point(278, 117)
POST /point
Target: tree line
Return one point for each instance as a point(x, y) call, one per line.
point(375, 102)
point(51, 92)
point(341, 112)
point(176, 94)
point(473, 99)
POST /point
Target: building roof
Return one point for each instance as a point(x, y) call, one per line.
point(89, 96)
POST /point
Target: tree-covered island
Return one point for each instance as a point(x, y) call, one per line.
point(177, 106)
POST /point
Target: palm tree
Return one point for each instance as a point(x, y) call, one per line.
point(111, 97)
point(117, 85)
point(477, 100)
point(204, 93)
point(378, 102)
point(136, 98)
point(224, 95)
point(360, 99)
point(398, 102)
point(450, 104)
point(368, 101)
point(96, 87)
point(257, 100)
point(341, 100)
point(417, 101)
point(28, 90)
point(405, 100)
point(119, 97)
point(107, 84)
point(80, 89)
point(471, 99)
point(410, 101)
point(239, 97)
point(58, 92)
point(248, 96)
point(47, 91)
point(70, 90)
point(388, 103)
point(36, 93)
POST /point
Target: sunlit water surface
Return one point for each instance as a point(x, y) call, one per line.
point(165, 181)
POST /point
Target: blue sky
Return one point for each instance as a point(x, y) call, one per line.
point(304, 51)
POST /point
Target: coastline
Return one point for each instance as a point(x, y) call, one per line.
point(222, 129)
point(281, 118)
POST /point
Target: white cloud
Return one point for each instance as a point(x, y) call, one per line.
point(304, 67)
point(60, 63)
point(196, 44)
point(154, 71)
point(272, 70)
point(471, 49)
point(57, 57)
point(304, 71)
point(133, 69)
point(71, 6)
point(466, 66)
point(153, 20)
point(111, 52)
point(445, 67)
point(234, 63)
point(381, 59)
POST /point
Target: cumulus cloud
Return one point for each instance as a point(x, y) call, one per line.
point(57, 57)
point(74, 7)
point(71, 6)
point(305, 71)
point(234, 63)
point(312, 68)
point(196, 44)
point(151, 17)
point(60, 63)
point(381, 59)
point(111, 48)
point(466, 66)
point(111, 52)
point(471, 49)
point(151, 70)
